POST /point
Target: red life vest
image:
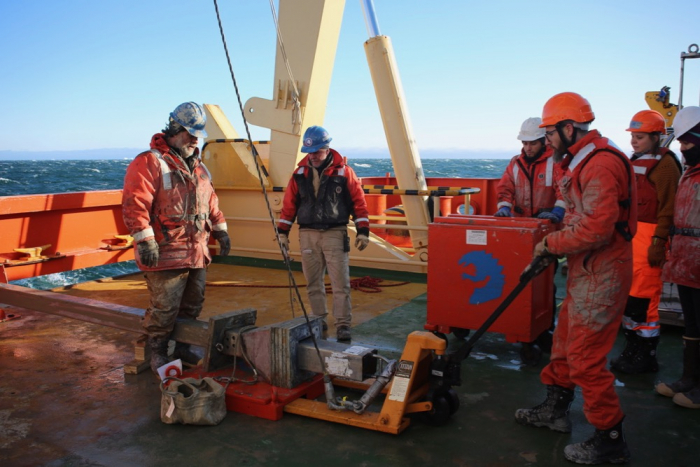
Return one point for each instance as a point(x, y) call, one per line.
point(626, 224)
point(163, 200)
point(647, 197)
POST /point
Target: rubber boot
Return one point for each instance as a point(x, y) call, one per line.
point(184, 353)
point(159, 352)
point(604, 447)
point(631, 344)
point(691, 370)
point(544, 341)
point(691, 399)
point(530, 354)
point(642, 360)
point(553, 413)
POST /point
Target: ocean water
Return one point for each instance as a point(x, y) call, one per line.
point(63, 176)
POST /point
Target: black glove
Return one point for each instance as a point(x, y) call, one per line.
point(538, 264)
point(148, 253)
point(222, 237)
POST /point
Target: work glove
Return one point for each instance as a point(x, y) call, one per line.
point(284, 242)
point(541, 259)
point(224, 240)
point(539, 263)
point(556, 215)
point(361, 241)
point(504, 211)
point(657, 252)
point(148, 253)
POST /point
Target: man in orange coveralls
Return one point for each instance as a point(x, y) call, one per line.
point(170, 208)
point(600, 193)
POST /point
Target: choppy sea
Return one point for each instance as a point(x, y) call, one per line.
point(62, 176)
point(27, 177)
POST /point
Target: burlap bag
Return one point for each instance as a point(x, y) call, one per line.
point(192, 401)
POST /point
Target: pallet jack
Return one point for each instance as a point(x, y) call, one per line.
point(292, 366)
point(292, 379)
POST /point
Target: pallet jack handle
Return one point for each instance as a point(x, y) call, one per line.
point(538, 264)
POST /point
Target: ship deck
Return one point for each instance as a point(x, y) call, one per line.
point(66, 401)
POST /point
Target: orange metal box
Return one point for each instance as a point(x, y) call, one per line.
point(475, 262)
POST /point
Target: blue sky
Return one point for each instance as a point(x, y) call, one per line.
point(81, 74)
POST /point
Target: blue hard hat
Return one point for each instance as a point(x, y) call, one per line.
point(315, 138)
point(191, 116)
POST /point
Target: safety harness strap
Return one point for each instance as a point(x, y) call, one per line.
point(623, 226)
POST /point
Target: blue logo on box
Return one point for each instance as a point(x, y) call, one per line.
point(485, 267)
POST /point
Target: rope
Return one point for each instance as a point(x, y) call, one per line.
point(369, 284)
point(365, 284)
point(258, 165)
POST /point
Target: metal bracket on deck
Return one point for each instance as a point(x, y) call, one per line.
point(32, 255)
point(119, 242)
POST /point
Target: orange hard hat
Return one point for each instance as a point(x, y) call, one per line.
point(566, 106)
point(647, 121)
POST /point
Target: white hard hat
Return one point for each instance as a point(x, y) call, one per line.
point(530, 129)
point(686, 119)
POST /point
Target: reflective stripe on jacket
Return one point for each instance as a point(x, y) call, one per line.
point(340, 195)
point(529, 189)
point(683, 265)
point(599, 196)
point(163, 200)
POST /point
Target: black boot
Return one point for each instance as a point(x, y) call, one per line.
point(553, 413)
point(631, 344)
point(530, 354)
point(544, 341)
point(184, 352)
point(159, 352)
point(691, 370)
point(343, 333)
point(604, 447)
point(640, 359)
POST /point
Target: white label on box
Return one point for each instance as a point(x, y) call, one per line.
point(355, 350)
point(476, 237)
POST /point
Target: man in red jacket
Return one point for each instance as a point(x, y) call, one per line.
point(170, 208)
point(528, 187)
point(322, 195)
point(600, 194)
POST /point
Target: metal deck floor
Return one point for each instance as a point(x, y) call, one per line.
point(65, 401)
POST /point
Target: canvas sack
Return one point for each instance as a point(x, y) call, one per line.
point(192, 401)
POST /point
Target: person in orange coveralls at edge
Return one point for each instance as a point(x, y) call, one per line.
point(683, 266)
point(657, 171)
point(529, 188)
point(170, 208)
point(321, 195)
point(600, 193)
